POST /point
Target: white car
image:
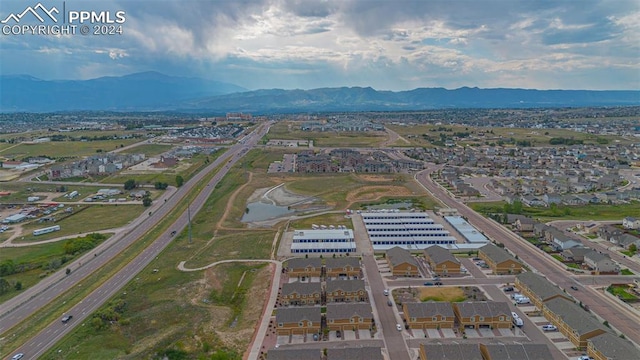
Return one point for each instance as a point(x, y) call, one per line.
point(585, 357)
point(17, 356)
point(549, 328)
point(399, 327)
point(514, 315)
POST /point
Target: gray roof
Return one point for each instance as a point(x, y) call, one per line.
point(574, 316)
point(346, 285)
point(297, 314)
point(341, 262)
point(353, 353)
point(429, 309)
point(301, 288)
point(483, 308)
point(540, 285)
point(346, 311)
point(596, 256)
point(579, 251)
point(439, 254)
point(451, 351)
point(300, 263)
point(398, 255)
point(294, 354)
point(497, 254)
point(614, 347)
point(517, 351)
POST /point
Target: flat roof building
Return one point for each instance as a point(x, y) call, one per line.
point(323, 241)
point(408, 230)
point(470, 233)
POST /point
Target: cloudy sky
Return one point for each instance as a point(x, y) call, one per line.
point(385, 44)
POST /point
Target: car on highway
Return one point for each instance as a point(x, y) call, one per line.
point(549, 327)
point(399, 327)
point(573, 287)
point(66, 319)
point(17, 356)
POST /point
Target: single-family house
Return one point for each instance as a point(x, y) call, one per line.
point(631, 223)
point(524, 224)
point(562, 242)
point(600, 263)
point(575, 254)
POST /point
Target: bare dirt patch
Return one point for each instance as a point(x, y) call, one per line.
point(375, 178)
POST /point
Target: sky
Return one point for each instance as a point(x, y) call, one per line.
point(303, 44)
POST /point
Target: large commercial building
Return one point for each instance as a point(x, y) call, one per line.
point(408, 230)
point(325, 241)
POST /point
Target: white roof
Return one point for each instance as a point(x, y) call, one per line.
point(323, 234)
point(325, 245)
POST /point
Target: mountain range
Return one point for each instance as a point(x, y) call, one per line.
point(149, 91)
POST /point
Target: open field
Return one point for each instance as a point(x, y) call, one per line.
point(84, 219)
point(451, 294)
point(537, 137)
point(64, 149)
point(148, 324)
point(291, 131)
point(187, 169)
point(585, 212)
point(38, 262)
point(149, 150)
point(325, 219)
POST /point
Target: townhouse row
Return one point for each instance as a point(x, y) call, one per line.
point(339, 267)
point(315, 293)
point(306, 320)
point(463, 315)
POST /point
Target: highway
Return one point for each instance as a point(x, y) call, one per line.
point(52, 333)
point(618, 316)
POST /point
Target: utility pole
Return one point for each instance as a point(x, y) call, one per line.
point(189, 217)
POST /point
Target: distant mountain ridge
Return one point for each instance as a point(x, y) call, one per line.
point(153, 91)
point(140, 91)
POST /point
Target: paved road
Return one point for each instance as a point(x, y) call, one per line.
point(618, 316)
point(50, 335)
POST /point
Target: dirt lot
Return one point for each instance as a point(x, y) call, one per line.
point(367, 193)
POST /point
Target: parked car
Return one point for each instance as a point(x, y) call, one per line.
point(389, 303)
point(549, 327)
point(338, 333)
point(585, 357)
point(385, 292)
point(438, 283)
point(428, 283)
point(66, 319)
point(514, 315)
point(399, 327)
point(508, 289)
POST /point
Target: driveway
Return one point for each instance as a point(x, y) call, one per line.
point(349, 335)
point(433, 334)
point(486, 332)
point(297, 339)
point(448, 333)
point(472, 333)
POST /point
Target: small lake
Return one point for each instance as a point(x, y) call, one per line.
point(400, 205)
point(259, 211)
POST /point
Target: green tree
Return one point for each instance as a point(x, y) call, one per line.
point(18, 286)
point(130, 184)
point(633, 248)
point(4, 286)
point(179, 181)
point(146, 201)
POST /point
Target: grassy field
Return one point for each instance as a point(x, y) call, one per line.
point(149, 150)
point(622, 293)
point(42, 259)
point(86, 218)
point(149, 325)
point(537, 137)
point(286, 130)
point(585, 212)
point(451, 294)
point(196, 163)
point(64, 149)
point(325, 219)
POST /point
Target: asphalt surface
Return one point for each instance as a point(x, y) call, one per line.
point(50, 335)
point(618, 316)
